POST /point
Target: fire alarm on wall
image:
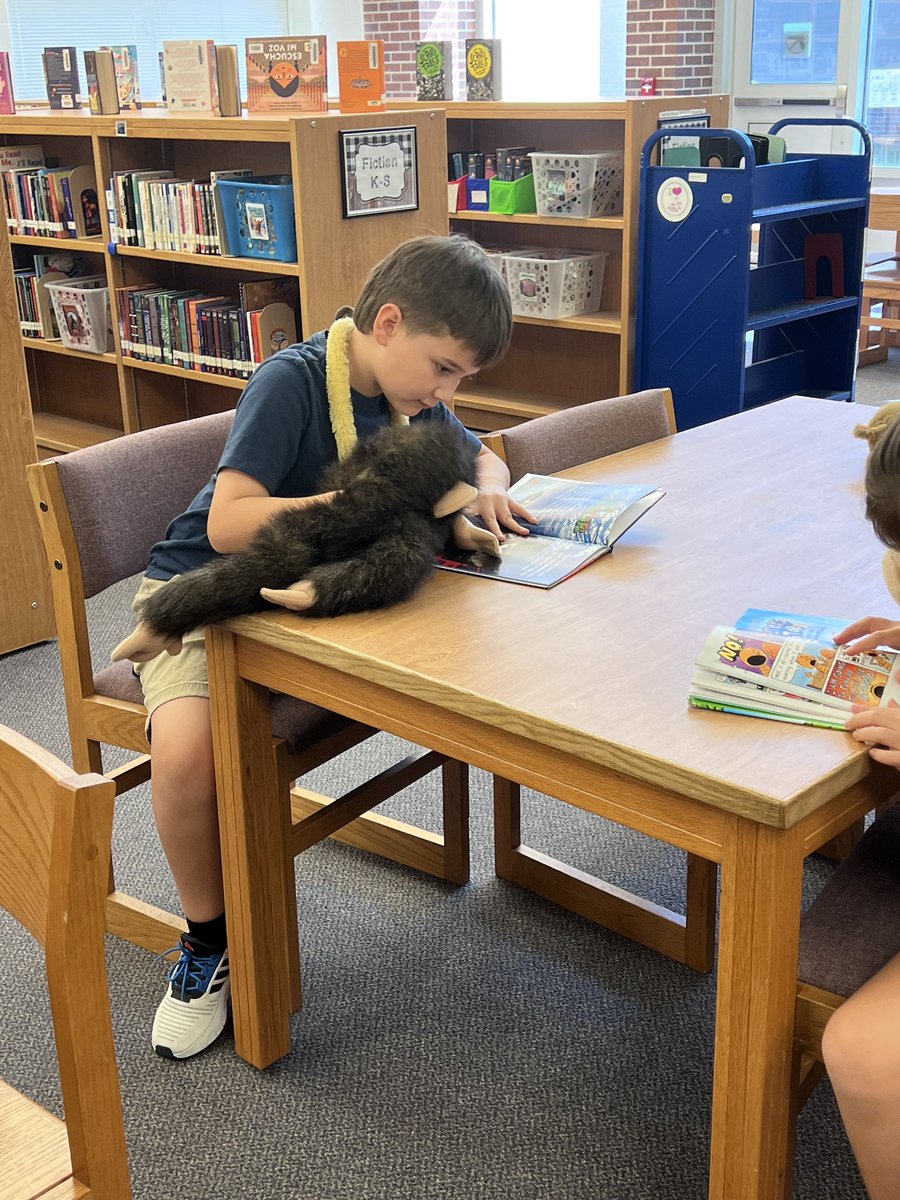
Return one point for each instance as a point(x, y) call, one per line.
point(648, 85)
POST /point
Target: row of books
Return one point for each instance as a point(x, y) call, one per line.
point(218, 335)
point(509, 162)
point(44, 201)
point(156, 210)
point(286, 74)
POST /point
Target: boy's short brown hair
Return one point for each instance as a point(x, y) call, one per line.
point(444, 286)
point(883, 486)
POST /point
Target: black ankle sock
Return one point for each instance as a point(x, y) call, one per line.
point(211, 933)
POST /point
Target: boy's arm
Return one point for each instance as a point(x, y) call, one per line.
point(241, 505)
point(493, 504)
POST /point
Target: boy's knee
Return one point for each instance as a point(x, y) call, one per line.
point(860, 1061)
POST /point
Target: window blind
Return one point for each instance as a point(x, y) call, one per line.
point(35, 24)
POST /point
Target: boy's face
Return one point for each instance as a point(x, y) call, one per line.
point(416, 371)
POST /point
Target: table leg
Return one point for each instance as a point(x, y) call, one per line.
point(759, 931)
point(254, 827)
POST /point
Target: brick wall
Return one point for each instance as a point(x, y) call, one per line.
point(673, 41)
point(402, 23)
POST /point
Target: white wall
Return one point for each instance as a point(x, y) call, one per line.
point(338, 20)
point(5, 39)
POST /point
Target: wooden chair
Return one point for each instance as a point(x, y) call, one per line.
point(100, 510)
point(55, 830)
point(851, 930)
point(879, 330)
point(544, 446)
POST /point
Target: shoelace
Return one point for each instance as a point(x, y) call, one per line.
point(188, 972)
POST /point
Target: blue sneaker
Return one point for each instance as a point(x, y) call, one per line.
point(192, 1013)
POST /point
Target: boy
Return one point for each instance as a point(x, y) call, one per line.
point(431, 313)
point(861, 1043)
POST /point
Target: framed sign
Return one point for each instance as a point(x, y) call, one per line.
point(379, 171)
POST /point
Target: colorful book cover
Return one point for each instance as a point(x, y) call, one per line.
point(7, 96)
point(361, 76)
point(127, 78)
point(482, 69)
point(434, 72)
point(287, 74)
point(61, 77)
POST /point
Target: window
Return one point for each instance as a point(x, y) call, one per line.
point(881, 105)
point(35, 24)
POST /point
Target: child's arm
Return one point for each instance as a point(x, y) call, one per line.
point(241, 505)
point(880, 727)
point(493, 504)
point(870, 632)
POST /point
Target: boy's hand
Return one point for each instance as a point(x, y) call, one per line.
point(880, 728)
point(496, 509)
point(869, 633)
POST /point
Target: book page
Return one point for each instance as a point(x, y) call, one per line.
point(803, 667)
point(538, 561)
point(582, 512)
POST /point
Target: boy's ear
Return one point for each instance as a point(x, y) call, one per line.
point(388, 321)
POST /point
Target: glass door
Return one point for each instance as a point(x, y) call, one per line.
point(796, 58)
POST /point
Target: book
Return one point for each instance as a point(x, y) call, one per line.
point(786, 667)
point(434, 71)
point(191, 76)
point(286, 74)
point(229, 81)
point(577, 523)
point(127, 78)
point(61, 76)
point(361, 76)
point(482, 69)
point(100, 81)
point(7, 95)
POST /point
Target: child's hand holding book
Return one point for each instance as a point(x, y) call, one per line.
point(879, 728)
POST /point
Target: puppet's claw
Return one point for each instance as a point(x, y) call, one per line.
point(299, 596)
point(144, 644)
point(467, 536)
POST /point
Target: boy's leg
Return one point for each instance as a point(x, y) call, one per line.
point(861, 1048)
point(192, 1013)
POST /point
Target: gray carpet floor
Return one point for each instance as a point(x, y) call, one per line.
point(473, 1043)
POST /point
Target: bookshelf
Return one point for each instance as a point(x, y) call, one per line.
point(555, 364)
point(57, 399)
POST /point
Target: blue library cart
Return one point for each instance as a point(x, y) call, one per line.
point(725, 335)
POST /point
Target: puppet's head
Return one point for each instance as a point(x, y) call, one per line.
point(427, 467)
point(874, 429)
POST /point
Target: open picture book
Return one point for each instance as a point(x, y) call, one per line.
point(786, 667)
point(576, 523)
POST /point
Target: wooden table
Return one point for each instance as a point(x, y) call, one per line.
point(580, 692)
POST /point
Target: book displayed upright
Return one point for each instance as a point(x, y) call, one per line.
point(786, 667)
point(191, 76)
point(361, 76)
point(100, 81)
point(482, 69)
point(434, 71)
point(127, 78)
point(61, 77)
point(229, 81)
point(287, 74)
point(7, 96)
point(576, 523)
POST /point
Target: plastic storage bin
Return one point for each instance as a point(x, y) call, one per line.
point(82, 312)
point(556, 283)
point(259, 217)
point(579, 185)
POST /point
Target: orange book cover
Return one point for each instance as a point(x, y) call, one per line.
point(287, 74)
point(361, 76)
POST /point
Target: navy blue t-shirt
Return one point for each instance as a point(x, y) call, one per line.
point(282, 438)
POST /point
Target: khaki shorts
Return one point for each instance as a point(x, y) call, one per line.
point(169, 677)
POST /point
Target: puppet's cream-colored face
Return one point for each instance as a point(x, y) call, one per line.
point(416, 371)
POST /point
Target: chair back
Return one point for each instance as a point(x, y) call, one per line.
point(121, 495)
point(55, 831)
point(584, 432)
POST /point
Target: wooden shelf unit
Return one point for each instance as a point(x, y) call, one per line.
point(56, 400)
point(556, 364)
